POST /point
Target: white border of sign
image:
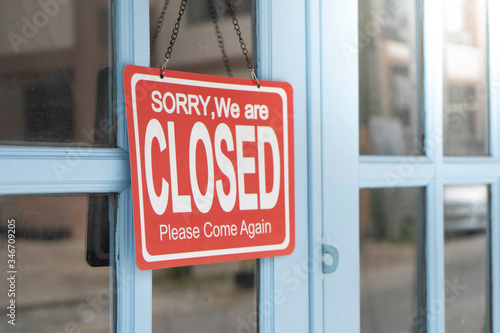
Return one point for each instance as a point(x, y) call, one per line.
point(210, 253)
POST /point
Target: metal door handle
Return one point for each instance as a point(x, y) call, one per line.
point(334, 253)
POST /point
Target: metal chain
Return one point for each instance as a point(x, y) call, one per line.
point(220, 39)
point(173, 37)
point(159, 25)
point(242, 43)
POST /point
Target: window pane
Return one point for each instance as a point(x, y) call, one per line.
point(218, 297)
point(392, 260)
point(54, 73)
point(467, 263)
point(52, 286)
point(389, 78)
point(465, 99)
point(205, 298)
point(196, 49)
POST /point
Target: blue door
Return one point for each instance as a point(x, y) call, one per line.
point(408, 112)
point(397, 167)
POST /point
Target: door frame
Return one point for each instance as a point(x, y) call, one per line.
point(281, 56)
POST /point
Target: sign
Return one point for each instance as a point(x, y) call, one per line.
point(212, 167)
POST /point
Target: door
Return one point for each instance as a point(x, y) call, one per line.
point(66, 205)
point(405, 96)
point(397, 168)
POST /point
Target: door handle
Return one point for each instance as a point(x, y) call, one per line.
point(330, 250)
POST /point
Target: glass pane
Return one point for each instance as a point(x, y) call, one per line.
point(392, 260)
point(465, 99)
point(196, 48)
point(215, 297)
point(467, 262)
point(390, 117)
point(50, 286)
point(54, 69)
point(209, 298)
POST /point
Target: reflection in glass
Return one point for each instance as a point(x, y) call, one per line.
point(465, 99)
point(196, 49)
point(54, 70)
point(56, 290)
point(389, 78)
point(392, 260)
point(210, 298)
point(467, 263)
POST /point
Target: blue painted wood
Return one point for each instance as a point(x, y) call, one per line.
point(470, 160)
point(469, 180)
point(494, 79)
point(134, 287)
point(39, 170)
point(282, 57)
point(495, 254)
point(315, 172)
point(383, 184)
point(399, 174)
point(380, 159)
point(433, 114)
point(340, 161)
point(409, 173)
point(263, 48)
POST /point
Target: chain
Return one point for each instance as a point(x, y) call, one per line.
point(159, 25)
point(220, 39)
point(173, 37)
point(242, 43)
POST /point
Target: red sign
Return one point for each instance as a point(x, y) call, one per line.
point(212, 167)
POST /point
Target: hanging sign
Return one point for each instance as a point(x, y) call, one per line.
point(212, 167)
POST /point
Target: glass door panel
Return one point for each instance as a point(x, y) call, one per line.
point(55, 72)
point(467, 258)
point(390, 115)
point(205, 298)
point(45, 245)
point(392, 259)
point(466, 88)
